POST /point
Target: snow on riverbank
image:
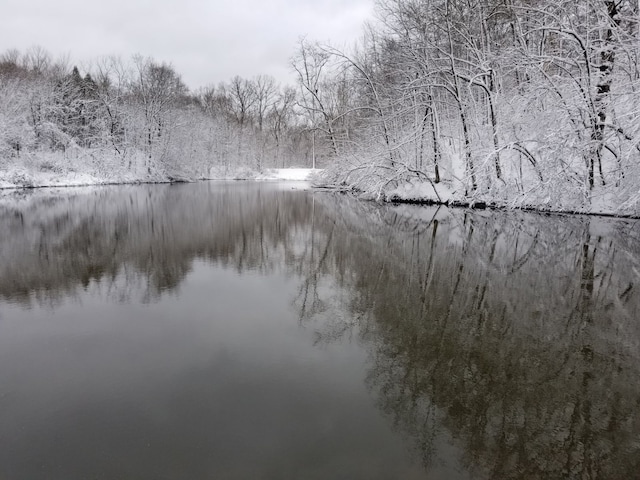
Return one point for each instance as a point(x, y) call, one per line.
point(599, 202)
point(291, 174)
point(426, 192)
point(21, 177)
point(56, 170)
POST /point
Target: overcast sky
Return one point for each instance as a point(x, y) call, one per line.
point(207, 41)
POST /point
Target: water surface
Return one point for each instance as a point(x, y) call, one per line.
point(237, 330)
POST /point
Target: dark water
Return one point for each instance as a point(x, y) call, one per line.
point(252, 331)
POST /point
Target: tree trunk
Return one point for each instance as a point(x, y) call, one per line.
point(603, 92)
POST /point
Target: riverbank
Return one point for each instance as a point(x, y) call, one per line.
point(23, 178)
point(601, 202)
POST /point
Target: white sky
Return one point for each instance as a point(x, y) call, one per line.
point(207, 41)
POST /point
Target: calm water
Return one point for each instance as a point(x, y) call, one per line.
point(255, 331)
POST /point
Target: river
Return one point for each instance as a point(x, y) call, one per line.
point(258, 330)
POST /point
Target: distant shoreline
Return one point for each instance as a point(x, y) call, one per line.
point(303, 175)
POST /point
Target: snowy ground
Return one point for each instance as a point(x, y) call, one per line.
point(599, 202)
point(295, 174)
point(30, 178)
point(421, 192)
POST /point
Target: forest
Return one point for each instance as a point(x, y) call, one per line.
point(136, 120)
point(516, 103)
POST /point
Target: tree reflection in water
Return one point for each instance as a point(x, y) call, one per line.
point(514, 332)
point(512, 335)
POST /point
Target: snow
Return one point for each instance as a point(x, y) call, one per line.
point(294, 174)
point(21, 177)
point(600, 202)
point(421, 192)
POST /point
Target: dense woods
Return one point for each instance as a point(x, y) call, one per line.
point(518, 102)
point(521, 102)
point(126, 120)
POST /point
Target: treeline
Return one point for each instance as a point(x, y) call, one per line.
point(520, 101)
point(138, 120)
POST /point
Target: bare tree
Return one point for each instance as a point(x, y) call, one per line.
point(311, 64)
point(158, 88)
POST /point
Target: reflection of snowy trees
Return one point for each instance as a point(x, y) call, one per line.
point(515, 335)
point(143, 240)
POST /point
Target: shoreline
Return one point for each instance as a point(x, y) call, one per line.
point(390, 200)
point(87, 180)
point(496, 207)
